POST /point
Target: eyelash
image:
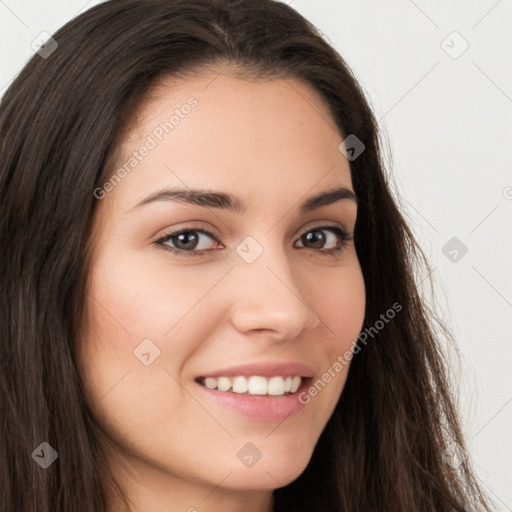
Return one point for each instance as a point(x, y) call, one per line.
point(342, 235)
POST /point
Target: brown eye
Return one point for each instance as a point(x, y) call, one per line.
point(194, 241)
point(188, 241)
point(314, 239)
point(334, 236)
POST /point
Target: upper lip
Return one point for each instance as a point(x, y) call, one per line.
point(264, 369)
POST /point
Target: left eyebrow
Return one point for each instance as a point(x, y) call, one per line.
point(223, 200)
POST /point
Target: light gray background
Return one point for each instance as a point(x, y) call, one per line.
point(448, 122)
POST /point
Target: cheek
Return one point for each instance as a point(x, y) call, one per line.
point(146, 297)
point(340, 301)
point(131, 301)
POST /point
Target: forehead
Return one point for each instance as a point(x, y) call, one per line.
point(221, 131)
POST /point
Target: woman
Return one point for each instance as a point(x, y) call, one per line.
point(290, 365)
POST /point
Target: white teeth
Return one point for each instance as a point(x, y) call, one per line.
point(240, 385)
point(276, 386)
point(210, 382)
point(295, 384)
point(224, 383)
point(255, 385)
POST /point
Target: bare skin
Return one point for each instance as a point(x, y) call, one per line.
point(272, 144)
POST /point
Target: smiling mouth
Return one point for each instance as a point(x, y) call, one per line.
point(254, 385)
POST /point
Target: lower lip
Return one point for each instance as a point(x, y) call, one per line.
point(262, 407)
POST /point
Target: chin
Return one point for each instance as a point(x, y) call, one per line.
point(274, 470)
point(263, 479)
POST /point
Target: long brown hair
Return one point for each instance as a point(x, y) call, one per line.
point(385, 447)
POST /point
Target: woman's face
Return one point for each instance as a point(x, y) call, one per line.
point(269, 295)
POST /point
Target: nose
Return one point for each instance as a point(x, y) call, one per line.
point(267, 297)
